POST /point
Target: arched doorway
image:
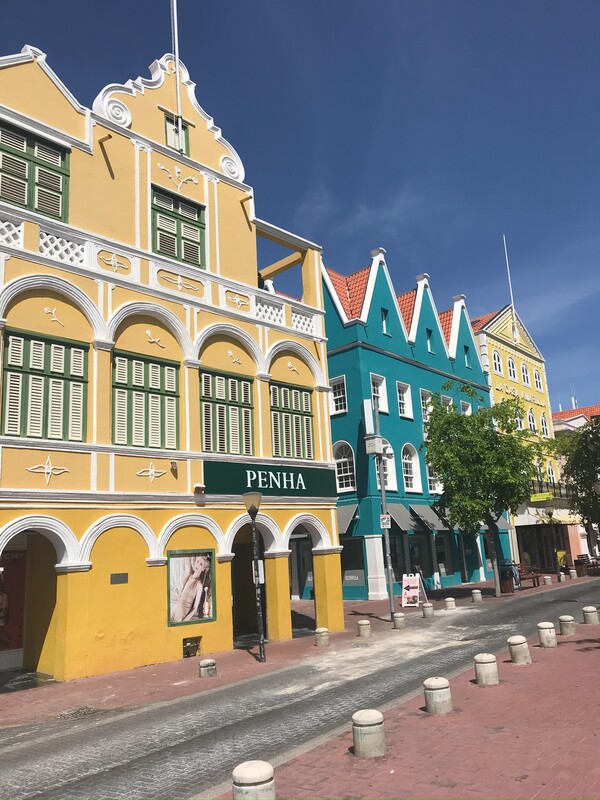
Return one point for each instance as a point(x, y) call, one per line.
point(242, 587)
point(27, 611)
point(302, 583)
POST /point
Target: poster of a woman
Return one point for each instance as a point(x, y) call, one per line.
point(190, 586)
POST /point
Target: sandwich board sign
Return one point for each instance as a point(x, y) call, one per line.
point(412, 586)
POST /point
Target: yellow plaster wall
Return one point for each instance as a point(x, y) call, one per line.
point(237, 237)
point(282, 373)
point(279, 618)
point(329, 607)
point(128, 480)
point(223, 352)
point(17, 463)
point(26, 312)
point(132, 337)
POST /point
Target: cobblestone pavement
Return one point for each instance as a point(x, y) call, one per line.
point(189, 742)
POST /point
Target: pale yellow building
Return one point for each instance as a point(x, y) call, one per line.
point(517, 369)
point(147, 383)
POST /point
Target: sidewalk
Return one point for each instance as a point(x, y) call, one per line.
point(164, 682)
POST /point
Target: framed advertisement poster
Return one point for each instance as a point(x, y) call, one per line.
point(191, 596)
point(410, 590)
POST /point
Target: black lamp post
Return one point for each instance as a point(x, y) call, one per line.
point(252, 503)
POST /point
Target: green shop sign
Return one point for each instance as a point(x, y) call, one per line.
point(230, 477)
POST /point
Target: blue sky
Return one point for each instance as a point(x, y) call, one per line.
point(427, 127)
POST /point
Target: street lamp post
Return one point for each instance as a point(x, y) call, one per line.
point(252, 503)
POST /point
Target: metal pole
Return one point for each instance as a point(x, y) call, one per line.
point(259, 615)
point(386, 536)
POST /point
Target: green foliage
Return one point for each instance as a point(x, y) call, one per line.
point(581, 470)
point(484, 462)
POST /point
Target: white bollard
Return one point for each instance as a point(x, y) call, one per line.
point(519, 650)
point(547, 580)
point(208, 668)
point(253, 780)
point(428, 610)
point(547, 634)
point(572, 573)
point(476, 596)
point(561, 577)
point(438, 699)
point(590, 615)
point(364, 628)
point(567, 625)
point(399, 620)
point(450, 604)
point(322, 637)
point(368, 734)
point(486, 669)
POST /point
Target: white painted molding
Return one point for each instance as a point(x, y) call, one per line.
point(244, 339)
point(278, 554)
point(141, 308)
point(223, 558)
point(194, 520)
point(156, 562)
point(117, 521)
point(324, 551)
point(99, 344)
point(302, 353)
point(314, 527)
point(62, 537)
point(294, 241)
point(268, 528)
point(66, 568)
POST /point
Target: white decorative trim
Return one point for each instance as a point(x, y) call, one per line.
point(62, 537)
point(158, 70)
point(53, 317)
point(278, 554)
point(151, 472)
point(95, 530)
point(294, 241)
point(156, 562)
point(291, 366)
point(269, 529)
point(223, 558)
point(193, 520)
point(177, 281)
point(233, 357)
point(302, 353)
point(114, 262)
point(225, 329)
point(117, 112)
point(48, 470)
point(141, 308)
point(176, 177)
point(103, 345)
point(62, 569)
point(324, 551)
point(152, 340)
point(317, 531)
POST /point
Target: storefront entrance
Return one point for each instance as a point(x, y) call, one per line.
point(242, 585)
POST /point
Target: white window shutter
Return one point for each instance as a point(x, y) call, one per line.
point(15, 351)
point(206, 392)
point(120, 414)
point(77, 362)
point(76, 413)
point(207, 438)
point(220, 387)
point(308, 437)
point(276, 431)
point(12, 139)
point(246, 392)
point(138, 419)
point(306, 402)
point(167, 243)
point(234, 430)
point(297, 436)
point(170, 379)
point(247, 431)
point(154, 426)
point(48, 154)
point(56, 389)
point(287, 436)
point(221, 429)
point(138, 373)
point(13, 190)
point(274, 396)
point(233, 390)
point(163, 200)
point(48, 192)
point(171, 422)
point(35, 412)
point(12, 415)
point(296, 400)
point(191, 212)
point(36, 355)
point(57, 358)
point(285, 397)
point(153, 376)
point(120, 369)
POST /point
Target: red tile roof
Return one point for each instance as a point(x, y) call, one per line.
point(445, 318)
point(406, 304)
point(351, 290)
point(586, 411)
point(477, 323)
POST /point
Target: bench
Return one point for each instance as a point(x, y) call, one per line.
point(529, 574)
point(591, 565)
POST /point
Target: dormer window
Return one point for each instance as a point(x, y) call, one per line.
point(178, 228)
point(172, 135)
point(429, 333)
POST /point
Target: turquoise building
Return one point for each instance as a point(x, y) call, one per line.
point(402, 350)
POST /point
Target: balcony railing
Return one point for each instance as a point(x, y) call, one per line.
point(555, 489)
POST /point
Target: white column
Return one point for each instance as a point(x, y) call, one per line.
point(375, 567)
point(481, 557)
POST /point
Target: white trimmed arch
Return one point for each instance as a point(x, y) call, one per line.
point(51, 283)
point(244, 339)
point(269, 529)
point(321, 538)
point(96, 530)
point(136, 309)
point(302, 353)
point(190, 521)
point(62, 537)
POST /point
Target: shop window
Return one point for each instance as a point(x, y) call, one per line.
point(339, 401)
point(178, 228)
point(443, 552)
point(226, 411)
point(353, 562)
point(45, 387)
point(343, 456)
point(291, 422)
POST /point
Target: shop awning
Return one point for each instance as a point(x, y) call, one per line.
point(345, 514)
point(401, 516)
point(502, 524)
point(429, 517)
point(565, 518)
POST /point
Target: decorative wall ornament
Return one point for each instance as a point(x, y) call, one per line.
point(232, 356)
point(230, 168)
point(47, 469)
point(176, 178)
point(53, 317)
point(117, 112)
point(292, 367)
point(114, 262)
point(151, 472)
point(152, 340)
point(178, 281)
point(238, 301)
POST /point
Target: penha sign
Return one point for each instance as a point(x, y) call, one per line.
point(275, 480)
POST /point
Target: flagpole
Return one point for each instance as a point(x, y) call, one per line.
point(175, 37)
point(512, 299)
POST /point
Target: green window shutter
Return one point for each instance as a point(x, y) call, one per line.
point(276, 433)
point(246, 431)
point(48, 192)
point(12, 410)
point(56, 390)
point(76, 411)
point(138, 422)
point(207, 428)
point(120, 416)
point(154, 420)
point(35, 411)
point(171, 423)
point(308, 437)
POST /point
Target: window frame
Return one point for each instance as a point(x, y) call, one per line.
point(512, 369)
point(174, 214)
point(351, 469)
point(497, 362)
point(537, 379)
point(531, 421)
point(544, 427)
point(381, 382)
point(467, 356)
point(407, 399)
point(213, 401)
point(417, 487)
point(279, 411)
point(551, 473)
point(425, 395)
point(389, 469)
point(525, 377)
point(466, 408)
point(171, 119)
point(341, 380)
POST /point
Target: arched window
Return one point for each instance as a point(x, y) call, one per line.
point(525, 375)
point(551, 473)
point(389, 468)
point(544, 426)
point(519, 422)
point(531, 421)
point(538, 380)
point(497, 362)
point(411, 472)
point(512, 370)
point(345, 474)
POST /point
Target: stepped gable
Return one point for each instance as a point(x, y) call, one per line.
point(585, 411)
point(445, 318)
point(477, 323)
point(350, 290)
point(406, 304)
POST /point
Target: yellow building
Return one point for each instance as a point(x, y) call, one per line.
point(517, 370)
point(147, 383)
